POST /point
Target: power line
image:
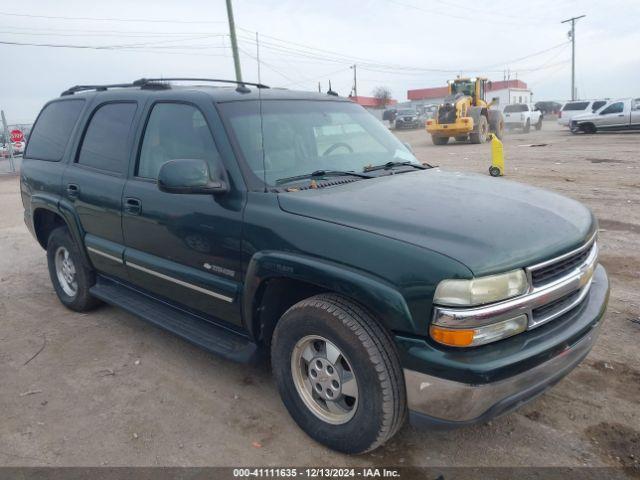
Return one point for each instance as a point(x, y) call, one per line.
point(102, 19)
point(94, 47)
point(94, 34)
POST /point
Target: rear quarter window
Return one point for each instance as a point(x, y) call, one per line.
point(50, 135)
point(575, 106)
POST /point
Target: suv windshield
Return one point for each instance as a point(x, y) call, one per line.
point(517, 107)
point(305, 136)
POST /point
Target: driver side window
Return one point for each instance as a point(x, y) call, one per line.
point(617, 107)
point(175, 131)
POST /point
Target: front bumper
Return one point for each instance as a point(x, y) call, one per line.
point(408, 124)
point(444, 403)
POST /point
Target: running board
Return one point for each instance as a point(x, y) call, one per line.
point(194, 329)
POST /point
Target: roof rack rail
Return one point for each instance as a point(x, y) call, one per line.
point(160, 83)
point(146, 81)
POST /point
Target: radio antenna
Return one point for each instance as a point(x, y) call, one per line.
point(264, 161)
point(258, 55)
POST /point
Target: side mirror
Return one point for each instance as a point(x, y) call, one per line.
point(189, 176)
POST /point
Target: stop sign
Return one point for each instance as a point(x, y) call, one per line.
point(17, 135)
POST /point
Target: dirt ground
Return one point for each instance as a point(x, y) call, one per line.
point(109, 389)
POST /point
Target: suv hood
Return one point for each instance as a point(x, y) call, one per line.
point(489, 224)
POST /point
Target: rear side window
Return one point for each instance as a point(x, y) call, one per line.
point(105, 144)
point(50, 135)
point(597, 105)
point(575, 106)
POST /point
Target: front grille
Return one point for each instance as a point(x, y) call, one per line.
point(547, 274)
point(541, 313)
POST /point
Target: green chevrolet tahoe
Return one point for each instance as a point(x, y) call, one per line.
point(266, 225)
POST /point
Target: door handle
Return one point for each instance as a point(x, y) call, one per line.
point(73, 190)
point(132, 206)
point(621, 115)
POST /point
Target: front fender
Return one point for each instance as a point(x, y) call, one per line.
point(370, 291)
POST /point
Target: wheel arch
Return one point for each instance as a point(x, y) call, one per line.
point(49, 213)
point(45, 221)
point(277, 280)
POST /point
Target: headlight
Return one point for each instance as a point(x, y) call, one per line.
point(481, 290)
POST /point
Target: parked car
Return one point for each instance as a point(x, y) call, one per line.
point(258, 222)
point(522, 116)
point(577, 107)
point(408, 118)
point(621, 114)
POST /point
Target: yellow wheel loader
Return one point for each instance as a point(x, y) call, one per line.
point(465, 114)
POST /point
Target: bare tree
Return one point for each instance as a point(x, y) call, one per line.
point(382, 96)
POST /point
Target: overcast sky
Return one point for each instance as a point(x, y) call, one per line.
point(401, 44)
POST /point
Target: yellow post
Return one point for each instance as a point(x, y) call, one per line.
point(497, 157)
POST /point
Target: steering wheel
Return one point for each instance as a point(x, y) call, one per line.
point(335, 146)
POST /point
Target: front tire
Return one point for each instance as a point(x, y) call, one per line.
point(539, 124)
point(481, 133)
point(71, 278)
point(338, 374)
point(527, 126)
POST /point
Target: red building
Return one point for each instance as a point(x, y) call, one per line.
point(370, 102)
point(509, 91)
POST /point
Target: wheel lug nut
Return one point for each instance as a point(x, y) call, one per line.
point(318, 387)
point(335, 384)
point(329, 369)
point(313, 372)
point(318, 364)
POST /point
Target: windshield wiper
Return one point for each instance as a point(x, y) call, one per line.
point(321, 173)
point(390, 165)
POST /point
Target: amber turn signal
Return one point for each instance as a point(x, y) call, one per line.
point(454, 338)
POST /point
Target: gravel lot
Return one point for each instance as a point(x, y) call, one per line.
point(108, 389)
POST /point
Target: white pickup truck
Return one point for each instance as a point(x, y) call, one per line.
point(621, 114)
point(522, 115)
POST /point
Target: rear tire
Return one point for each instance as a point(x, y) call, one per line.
point(539, 124)
point(71, 278)
point(439, 140)
point(527, 126)
point(324, 344)
point(480, 136)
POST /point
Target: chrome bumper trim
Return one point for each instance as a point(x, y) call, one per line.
point(451, 401)
point(578, 280)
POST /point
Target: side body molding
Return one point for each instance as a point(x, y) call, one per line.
point(370, 291)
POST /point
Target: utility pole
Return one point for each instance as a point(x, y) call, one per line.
point(234, 41)
point(355, 82)
point(573, 53)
